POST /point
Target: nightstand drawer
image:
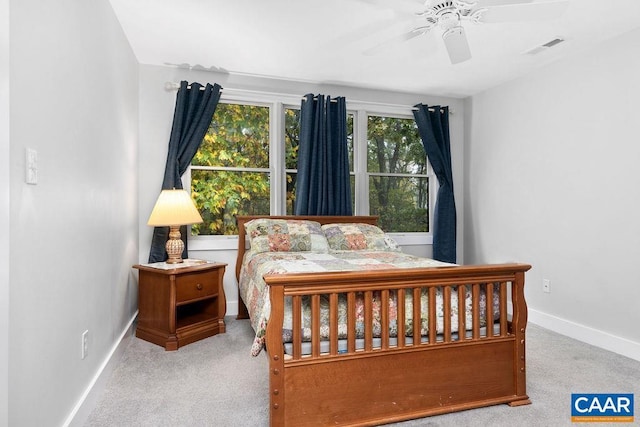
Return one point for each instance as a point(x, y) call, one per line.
point(194, 286)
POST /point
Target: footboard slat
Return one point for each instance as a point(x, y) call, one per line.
point(400, 322)
point(315, 325)
point(333, 324)
point(462, 310)
point(417, 315)
point(433, 325)
point(503, 308)
point(475, 310)
point(384, 319)
point(446, 305)
point(368, 321)
point(489, 308)
point(296, 311)
point(351, 322)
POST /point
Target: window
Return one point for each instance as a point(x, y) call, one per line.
point(247, 163)
point(230, 171)
point(291, 143)
point(397, 172)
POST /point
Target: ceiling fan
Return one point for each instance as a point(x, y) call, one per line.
point(446, 16)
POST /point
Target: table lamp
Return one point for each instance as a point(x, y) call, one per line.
point(173, 209)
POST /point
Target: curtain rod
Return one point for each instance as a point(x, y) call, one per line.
point(175, 86)
point(316, 97)
point(431, 109)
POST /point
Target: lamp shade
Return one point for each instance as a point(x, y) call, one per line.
point(174, 207)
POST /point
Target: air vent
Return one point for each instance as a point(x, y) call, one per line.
point(553, 42)
point(544, 46)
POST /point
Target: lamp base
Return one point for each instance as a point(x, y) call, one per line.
point(174, 246)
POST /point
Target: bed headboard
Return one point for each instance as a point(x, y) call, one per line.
point(242, 234)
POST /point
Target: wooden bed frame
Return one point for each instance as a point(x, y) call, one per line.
point(393, 381)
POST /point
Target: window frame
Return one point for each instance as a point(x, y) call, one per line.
point(277, 103)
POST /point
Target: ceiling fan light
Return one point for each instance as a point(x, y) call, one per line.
point(457, 46)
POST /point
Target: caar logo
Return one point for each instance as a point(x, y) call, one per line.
point(602, 408)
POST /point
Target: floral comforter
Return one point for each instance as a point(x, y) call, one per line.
point(255, 293)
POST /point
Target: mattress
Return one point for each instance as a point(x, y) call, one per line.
point(255, 293)
point(377, 342)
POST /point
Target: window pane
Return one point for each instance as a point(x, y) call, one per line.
point(401, 202)
point(238, 136)
point(394, 146)
point(291, 138)
point(291, 194)
point(221, 195)
point(291, 144)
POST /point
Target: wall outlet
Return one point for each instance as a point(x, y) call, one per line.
point(546, 286)
point(85, 344)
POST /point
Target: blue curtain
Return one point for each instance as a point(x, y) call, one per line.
point(323, 185)
point(433, 126)
point(194, 110)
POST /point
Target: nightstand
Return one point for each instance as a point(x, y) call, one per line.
point(180, 304)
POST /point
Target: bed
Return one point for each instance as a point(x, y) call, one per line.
point(342, 344)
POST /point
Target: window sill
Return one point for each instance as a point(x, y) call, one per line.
point(225, 243)
point(213, 243)
point(412, 239)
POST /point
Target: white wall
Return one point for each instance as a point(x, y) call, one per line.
point(73, 236)
point(551, 179)
point(4, 212)
point(156, 115)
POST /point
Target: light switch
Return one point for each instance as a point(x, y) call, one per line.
point(32, 166)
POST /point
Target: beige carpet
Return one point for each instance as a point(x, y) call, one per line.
point(215, 382)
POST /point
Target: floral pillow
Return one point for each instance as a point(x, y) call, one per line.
point(285, 235)
point(358, 237)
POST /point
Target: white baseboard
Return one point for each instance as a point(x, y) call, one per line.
point(90, 397)
point(586, 334)
point(232, 308)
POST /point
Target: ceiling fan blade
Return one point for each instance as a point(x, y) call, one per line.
point(457, 45)
point(388, 44)
point(403, 8)
point(524, 12)
point(491, 3)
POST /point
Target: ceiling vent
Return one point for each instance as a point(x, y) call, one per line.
point(545, 46)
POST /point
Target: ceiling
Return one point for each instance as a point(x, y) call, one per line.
point(331, 41)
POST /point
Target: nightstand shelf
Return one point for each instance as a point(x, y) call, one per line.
point(194, 313)
point(180, 305)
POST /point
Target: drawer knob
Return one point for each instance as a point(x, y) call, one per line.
point(199, 286)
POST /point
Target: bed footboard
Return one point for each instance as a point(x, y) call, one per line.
point(390, 379)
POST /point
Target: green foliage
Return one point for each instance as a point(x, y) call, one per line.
point(238, 137)
point(399, 211)
point(394, 147)
point(291, 146)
